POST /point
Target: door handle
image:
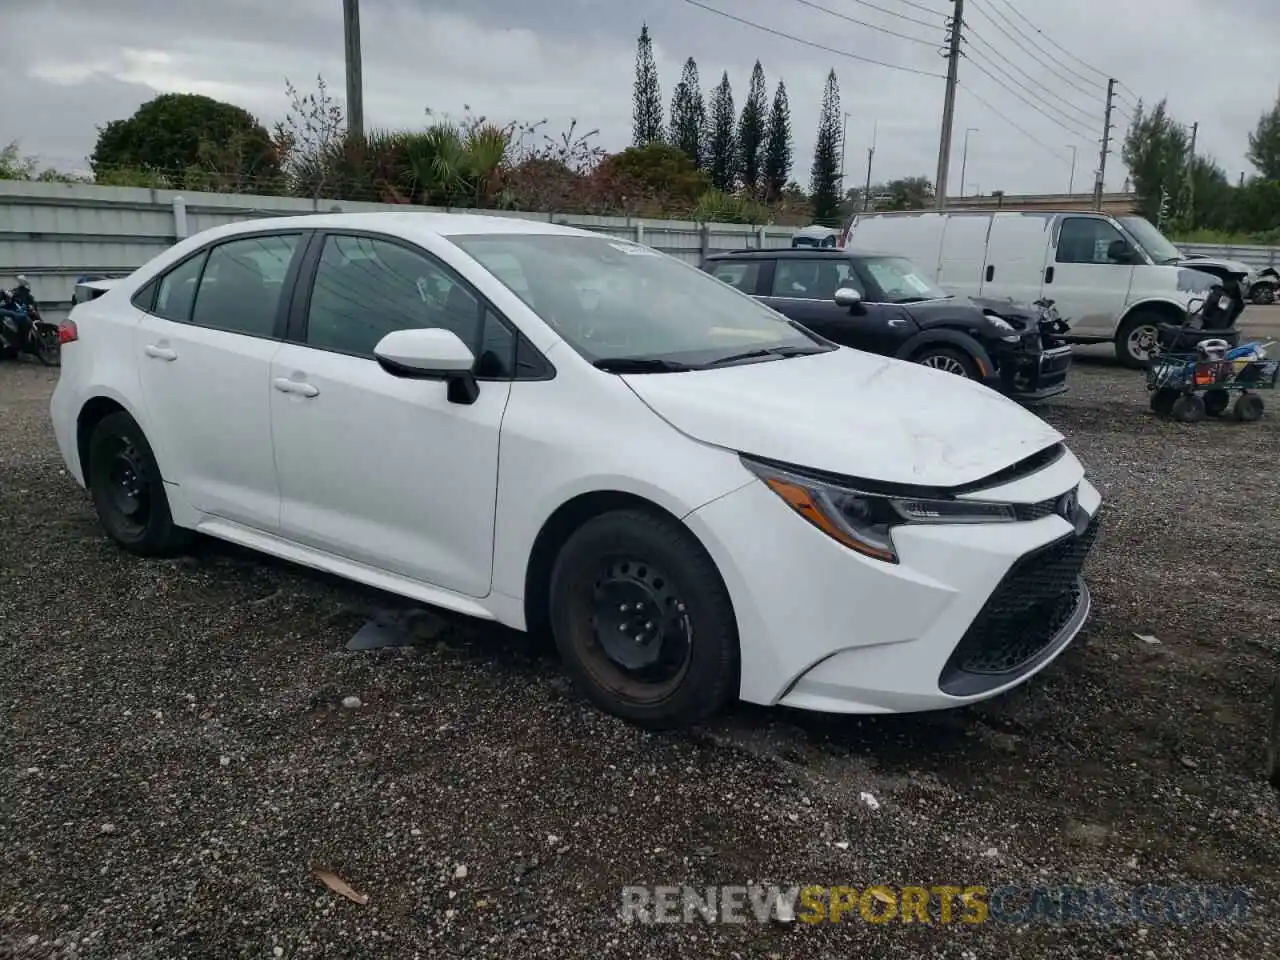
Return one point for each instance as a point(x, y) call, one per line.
point(160, 353)
point(1048, 274)
point(301, 388)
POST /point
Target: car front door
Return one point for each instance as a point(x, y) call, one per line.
point(384, 470)
point(804, 290)
point(208, 332)
point(1088, 288)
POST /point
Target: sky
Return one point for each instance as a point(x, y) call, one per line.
point(1032, 81)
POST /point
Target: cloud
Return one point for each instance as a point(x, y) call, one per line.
point(571, 59)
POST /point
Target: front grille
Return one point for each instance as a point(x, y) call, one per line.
point(1023, 615)
point(1036, 511)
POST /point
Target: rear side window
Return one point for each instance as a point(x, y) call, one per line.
point(242, 284)
point(743, 274)
point(177, 290)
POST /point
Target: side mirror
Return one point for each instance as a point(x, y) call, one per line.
point(430, 354)
point(847, 297)
point(1120, 252)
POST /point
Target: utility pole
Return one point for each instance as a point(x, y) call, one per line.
point(949, 104)
point(844, 139)
point(1071, 181)
point(1191, 176)
point(964, 157)
point(355, 84)
point(1106, 145)
point(866, 192)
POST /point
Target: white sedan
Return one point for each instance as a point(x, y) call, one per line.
point(558, 430)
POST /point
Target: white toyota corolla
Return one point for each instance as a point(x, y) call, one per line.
point(558, 430)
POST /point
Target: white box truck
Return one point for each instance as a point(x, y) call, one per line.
point(1113, 279)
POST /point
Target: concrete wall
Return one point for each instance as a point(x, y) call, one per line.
point(56, 233)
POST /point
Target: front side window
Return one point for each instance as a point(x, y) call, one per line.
point(816, 279)
point(902, 281)
point(1086, 240)
point(743, 274)
point(614, 300)
point(243, 283)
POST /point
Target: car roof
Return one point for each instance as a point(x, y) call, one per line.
point(799, 253)
point(408, 224)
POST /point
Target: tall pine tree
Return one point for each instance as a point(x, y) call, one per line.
point(646, 111)
point(751, 131)
point(824, 175)
point(1264, 144)
point(689, 115)
point(777, 145)
point(722, 147)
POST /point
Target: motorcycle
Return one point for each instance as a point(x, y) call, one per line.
point(22, 330)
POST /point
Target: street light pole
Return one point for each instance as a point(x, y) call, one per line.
point(964, 157)
point(355, 84)
point(1072, 182)
point(844, 139)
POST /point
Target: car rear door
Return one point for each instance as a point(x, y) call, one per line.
point(1015, 262)
point(210, 327)
point(803, 289)
point(378, 469)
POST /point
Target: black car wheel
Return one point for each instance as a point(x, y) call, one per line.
point(128, 491)
point(1263, 294)
point(949, 360)
point(643, 621)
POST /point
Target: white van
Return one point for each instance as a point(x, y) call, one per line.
point(1111, 278)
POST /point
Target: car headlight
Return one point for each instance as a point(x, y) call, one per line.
point(1003, 328)
point(865, 521)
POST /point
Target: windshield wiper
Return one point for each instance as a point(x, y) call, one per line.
point(640, 365)
point(763, 353)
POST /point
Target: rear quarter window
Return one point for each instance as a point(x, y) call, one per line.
point(742, 274)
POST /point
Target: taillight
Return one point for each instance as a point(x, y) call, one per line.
point(67, 331)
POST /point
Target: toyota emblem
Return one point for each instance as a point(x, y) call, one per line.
point(1067, 506)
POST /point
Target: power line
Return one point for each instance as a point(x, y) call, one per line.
point(1014, 40)
point(1038, 108)
point(863, 23)
point(914, 6)
point(1023, 17)
point(810, 43)
point(973, 35)
point(1034, 139)
point(902, 16)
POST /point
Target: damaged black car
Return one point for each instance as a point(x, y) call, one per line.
point(885, 304)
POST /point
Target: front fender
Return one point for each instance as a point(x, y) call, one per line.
point(954, 338)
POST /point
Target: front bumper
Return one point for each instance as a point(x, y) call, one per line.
point(1031, 374)
point(971, 610)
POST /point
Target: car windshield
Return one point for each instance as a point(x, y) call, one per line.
point(901, 281)
point(1151, 240)
point(624, 305)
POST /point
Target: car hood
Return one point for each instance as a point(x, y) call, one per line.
point(851, 413)
point(926, 313)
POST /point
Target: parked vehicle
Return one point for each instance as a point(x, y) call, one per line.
point(696, 497)
point(887, 304)
point(1113, 279)
point(816, 236)
point(92, 287)
point(1263, 284)
point(23, 330)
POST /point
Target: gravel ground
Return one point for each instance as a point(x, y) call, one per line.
point(181, 760)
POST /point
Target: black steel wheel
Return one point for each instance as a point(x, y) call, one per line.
point(1188, 408)
point(1263, 294)
point(48, 347)
point(1137, 337)
point(1249, 407)
point(128, 491)
point(1162, 400)
point(1216, 402)
point(643, 620)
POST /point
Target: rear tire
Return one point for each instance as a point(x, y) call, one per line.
point(128, 491)
point(643, 621)
point(49, 348)
point(1135, 339)
point(1249, 407)
point(949, 360)
point(1188, 409)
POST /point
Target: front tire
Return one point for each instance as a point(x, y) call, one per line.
point(643, 621)
point(128, 491)
point(1136, 338)
point(949, 360)
point(1263, 294)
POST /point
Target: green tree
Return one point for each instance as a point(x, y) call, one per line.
point(751, 131)
point(646, 110)
point(824, 174)
point(778, 149)
point(662, 171)
point(1155, 151)
point(15, 166)
point(1264, 144)
point(689, 115)
point(722, 149)
point(905, 193)
point(175, 133)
